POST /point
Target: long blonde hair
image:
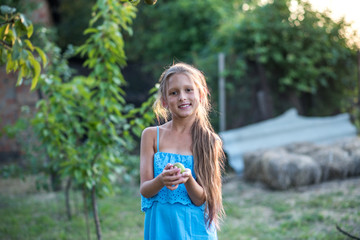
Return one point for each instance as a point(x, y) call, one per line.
point(207, 146)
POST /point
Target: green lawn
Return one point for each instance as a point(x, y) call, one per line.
point(253, 212)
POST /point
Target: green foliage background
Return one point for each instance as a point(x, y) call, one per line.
point(306, 59)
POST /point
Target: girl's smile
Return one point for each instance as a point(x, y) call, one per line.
point(185, 105)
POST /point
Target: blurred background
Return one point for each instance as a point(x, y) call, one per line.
point(279, 54)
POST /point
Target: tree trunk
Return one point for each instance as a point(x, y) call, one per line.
point(358, 54)
point(95, 211)
point(295, 101)
point(266, 105)
point(86, 214)
point(67, 198)
point(55, 180)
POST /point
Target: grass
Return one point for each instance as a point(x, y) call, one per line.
point(253, 212)
point(307, 213)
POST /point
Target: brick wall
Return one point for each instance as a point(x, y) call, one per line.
point(12, 98)
point(42, 14)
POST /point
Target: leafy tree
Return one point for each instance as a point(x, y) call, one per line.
point(173, 31)
point(291, 54)
point(278, 55)
point(84, 123)
point(16, 49)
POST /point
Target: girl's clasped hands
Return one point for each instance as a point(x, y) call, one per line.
point(171, 176)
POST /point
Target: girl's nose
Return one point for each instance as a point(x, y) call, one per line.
point(182, 96)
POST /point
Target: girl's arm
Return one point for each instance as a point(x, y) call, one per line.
point(195, 191)
point(150, 186)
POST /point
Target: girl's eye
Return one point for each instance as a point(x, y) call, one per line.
point(188, 89)
point(173, 93)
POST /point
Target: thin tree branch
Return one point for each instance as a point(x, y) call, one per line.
point(67, 198)
point(86, 213)
point(96, 213)
point(12, 20)
point(6, 22)
point(5, 44)
point(346, 233)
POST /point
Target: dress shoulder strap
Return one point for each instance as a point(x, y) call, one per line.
point(157, 138)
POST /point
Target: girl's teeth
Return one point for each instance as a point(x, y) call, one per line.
point(183, 106)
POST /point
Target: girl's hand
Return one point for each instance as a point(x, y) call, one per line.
point(169, 177)
point(185, 175)
point(181, 178)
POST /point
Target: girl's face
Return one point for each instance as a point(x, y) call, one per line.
point(182, 96)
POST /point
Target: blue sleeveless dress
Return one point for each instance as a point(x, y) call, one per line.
point(171, 214)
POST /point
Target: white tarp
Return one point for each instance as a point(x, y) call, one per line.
point(282, 130)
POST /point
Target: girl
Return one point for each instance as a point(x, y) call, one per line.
point(184, 205)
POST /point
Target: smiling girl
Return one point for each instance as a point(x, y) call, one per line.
point(184, 205)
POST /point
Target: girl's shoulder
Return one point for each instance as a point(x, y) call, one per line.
point(153, 129)
point(148, 138)
point(149, 131)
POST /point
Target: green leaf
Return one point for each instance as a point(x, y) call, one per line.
point(16, 52)
point(89, 184)
point(90, 30)
point(29, 44)
point(2, 31)
point(24, 20)
point(20, 28)
point(20, 78)
point(10, 64)
point(30, 31)
point(42, 56)
point(36, 73)
point(77, 174)
point(95, 18)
